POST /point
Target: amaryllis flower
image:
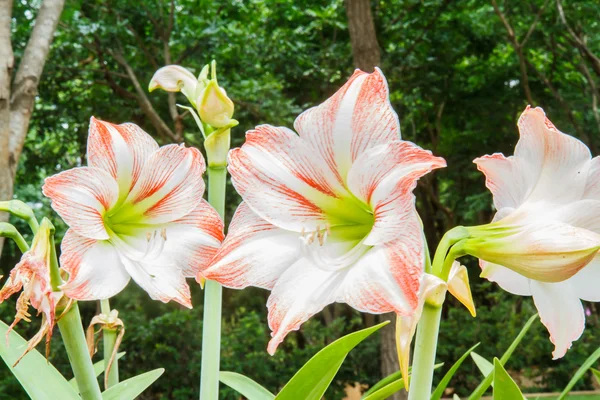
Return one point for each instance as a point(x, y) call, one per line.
point(136, 211)
point(545, 236)
point(32, 275)
point(328, 215)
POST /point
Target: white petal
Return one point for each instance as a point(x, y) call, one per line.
point(561, 312)
point(81, 196)
point(94, 267)
point(586, 283)
point(174, 78)
point(507, 279)
point(254, 253)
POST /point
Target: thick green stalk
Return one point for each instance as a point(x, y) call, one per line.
point(109, 338)
point(425, 347)
point(71, 330)
point(213, 293)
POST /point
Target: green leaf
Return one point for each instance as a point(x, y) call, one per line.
point(313, 379)
point(580, 372)
point(483, 365)
point(98, 369)
point(596, 374)
point(388, 386)
point(455, 397)
point(504, 387)
point(132, 387)
point(485, 384)
point(245, 386)
point(439, 390)
point(36, 375)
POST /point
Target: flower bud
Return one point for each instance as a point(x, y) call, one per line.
point(214, 107)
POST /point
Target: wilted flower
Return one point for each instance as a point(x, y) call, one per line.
point(328, 215)
point(135, 212)
point(545, 237)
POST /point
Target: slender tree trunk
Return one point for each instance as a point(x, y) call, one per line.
point(361, 26)
point(17, 100)
point(367, 56)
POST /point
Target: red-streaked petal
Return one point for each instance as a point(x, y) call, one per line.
point(561, 312)
point(81, 196)
point(543, 157)
point(254, 253)
point(164, 282)
point(95, 268)
point(121, 150)
point(170, 185)
point(302, 291)
point(385, 177)
point(281, 199)
point(174, 78)
point(387, 278)
point(357, 117)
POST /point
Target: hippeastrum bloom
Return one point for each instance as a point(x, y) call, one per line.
point(545, 237)
point(136, 211)
point(432, 292)
point(32, 275)
point(328, 213)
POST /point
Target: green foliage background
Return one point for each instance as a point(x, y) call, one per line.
point(455, 83)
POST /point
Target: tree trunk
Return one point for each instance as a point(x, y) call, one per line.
point(17, 100)
point(367, 56)
point(361, 26)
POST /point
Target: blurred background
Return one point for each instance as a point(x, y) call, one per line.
point(460, 73)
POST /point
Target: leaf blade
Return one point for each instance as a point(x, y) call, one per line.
point(505, 387)
point(580, 372)
point(132, 387)
point(245, 386)
point(439, 390)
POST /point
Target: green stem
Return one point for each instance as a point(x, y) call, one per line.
point(109, 338)
point(425, 347)
point(71, 330)
point(213, 293)
point(9, 231)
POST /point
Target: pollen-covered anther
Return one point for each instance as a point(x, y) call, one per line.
point(163, 233)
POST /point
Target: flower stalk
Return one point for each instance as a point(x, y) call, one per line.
point(109, 338)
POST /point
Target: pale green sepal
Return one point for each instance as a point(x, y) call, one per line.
point(132, 387)
point(36, 375)
point(245, 386)
point(313, 379)
point(504, 386)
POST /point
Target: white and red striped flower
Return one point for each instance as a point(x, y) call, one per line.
point(328, 213)
point(32, 275)
point(136, 211)
point(545, 237)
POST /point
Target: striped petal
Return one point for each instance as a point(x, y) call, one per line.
point(357, 117)
point(169, 187)
point(81, 196)
point(95, 268)
point(254, 253)
point(121, 150)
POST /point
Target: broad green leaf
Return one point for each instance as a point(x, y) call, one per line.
point(504, 387)
point(98, 369)
point(313, 379)
point(596, 374)
point(439, 390)
point(483, 365)
point(245, 386)
point(485, 384)
point(580, 372)
point(455, 397)
point(36, 375)
point(391, 386)
point(132, 387)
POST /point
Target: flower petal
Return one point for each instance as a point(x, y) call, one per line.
point(302, 291)
point(95, 268)
point(458, 286)
point(357, 117)
point(585, 282)
point(121, 150)
point(170, 186)
point(164, 282)
point(543, 156)
point(387, 278)
point(385, 177)
point(174, 78)
point(561, 312)
point(254, 253)
point(507, 279)
point(81, 196)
